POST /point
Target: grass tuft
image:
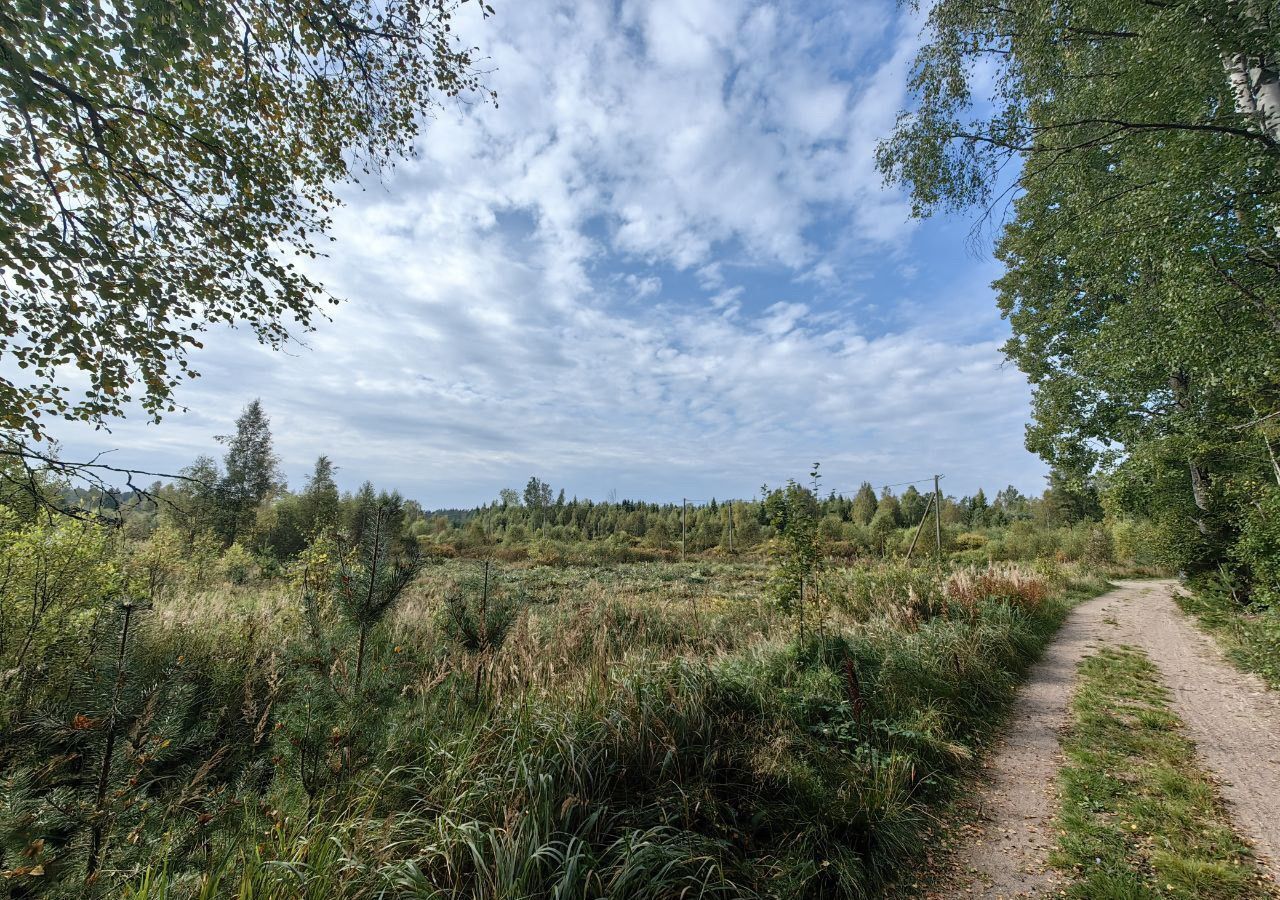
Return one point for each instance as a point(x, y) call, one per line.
point(1250, 635)
point(1139, 819)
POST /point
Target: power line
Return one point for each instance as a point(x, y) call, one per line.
point(896, 484)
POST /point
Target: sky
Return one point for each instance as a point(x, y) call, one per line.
point(663, 266)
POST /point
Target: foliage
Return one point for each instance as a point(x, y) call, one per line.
point(53, 580)
point(372, 577)
point(792, 512)
point(547, 732)
point(155, 567)
point(1258, 549)
point(1141, 252)
point(167, 166)
point(250, 471)
point(135, 743)
point(480, 611)
point(319, 499)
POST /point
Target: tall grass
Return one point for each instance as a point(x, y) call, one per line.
point(648, 730)
point(649, 761)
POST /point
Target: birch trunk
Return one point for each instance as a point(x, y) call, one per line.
point(1200, 477)
point(1271, 454)
point(1255, 80)
point(1236, 66)
point(1200, 494)
point(1266, 87)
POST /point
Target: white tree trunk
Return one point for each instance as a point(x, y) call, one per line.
point(1266, 91)
point(1255, 85)
point(1255, 80)
point(1237, 68)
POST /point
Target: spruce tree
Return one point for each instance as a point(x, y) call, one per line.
point(250, 471)
point(320, 502)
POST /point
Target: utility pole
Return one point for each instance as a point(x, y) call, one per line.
point(731, 504)
point(919, 528)
point(684, 523)
point(937, 515)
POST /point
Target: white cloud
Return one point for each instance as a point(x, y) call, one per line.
point(515, 299)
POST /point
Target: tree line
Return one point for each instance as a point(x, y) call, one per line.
point(242, 500)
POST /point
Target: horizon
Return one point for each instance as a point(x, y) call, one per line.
point(664, 265)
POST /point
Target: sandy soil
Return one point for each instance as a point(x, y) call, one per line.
point(1231, 717)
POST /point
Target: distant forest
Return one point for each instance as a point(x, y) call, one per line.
point(242, 500)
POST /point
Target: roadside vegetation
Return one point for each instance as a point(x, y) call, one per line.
point(1139, 819)
point(188, 712)
point(217, 686)
point(1249, 633)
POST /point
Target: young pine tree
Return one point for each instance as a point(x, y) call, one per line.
point(371, 580)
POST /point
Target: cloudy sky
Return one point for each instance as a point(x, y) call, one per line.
point(664, 266)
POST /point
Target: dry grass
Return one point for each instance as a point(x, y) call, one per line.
point(1008, 582)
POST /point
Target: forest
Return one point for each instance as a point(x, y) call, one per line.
point(217, 684)
point(240, 506)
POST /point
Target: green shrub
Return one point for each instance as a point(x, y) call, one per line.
point(1258, 547)
point(238, 565)
point(57, 577)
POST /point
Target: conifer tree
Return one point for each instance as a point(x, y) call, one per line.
point(320, 501)
point(369, 587)
point(978, 509)
point(250, 470)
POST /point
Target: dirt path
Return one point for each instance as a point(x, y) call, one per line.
point(1231, 717)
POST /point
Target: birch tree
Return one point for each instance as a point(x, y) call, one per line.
point(169, 167)
point(1127, 155)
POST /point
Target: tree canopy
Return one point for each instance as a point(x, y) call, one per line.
point(166, 168)
point(1131, 153)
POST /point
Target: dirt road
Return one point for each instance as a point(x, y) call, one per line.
point(1231, 717)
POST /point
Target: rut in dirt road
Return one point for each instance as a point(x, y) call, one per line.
point(1231, 717)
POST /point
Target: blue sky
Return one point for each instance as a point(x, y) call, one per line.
point(663, 266)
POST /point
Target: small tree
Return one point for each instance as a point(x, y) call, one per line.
point(479, 615)
point(864, 504)
point(132, 747)
point(335, 724)
point(371, 580)
point(251, 471)
point(320, 505)
point(792, 511)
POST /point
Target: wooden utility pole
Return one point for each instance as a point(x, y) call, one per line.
point(937, 515)
point(919, 528)
point(730, 526)
point(684, 526)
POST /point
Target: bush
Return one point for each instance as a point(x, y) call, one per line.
point(1258, 547)
point(971, 588)
point(238, 565)
point(57, 580)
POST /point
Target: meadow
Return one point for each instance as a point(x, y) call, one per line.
point(504, 728)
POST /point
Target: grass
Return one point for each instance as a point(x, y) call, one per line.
point(1139, 819)
point(1250, 636)
point(645, 730)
